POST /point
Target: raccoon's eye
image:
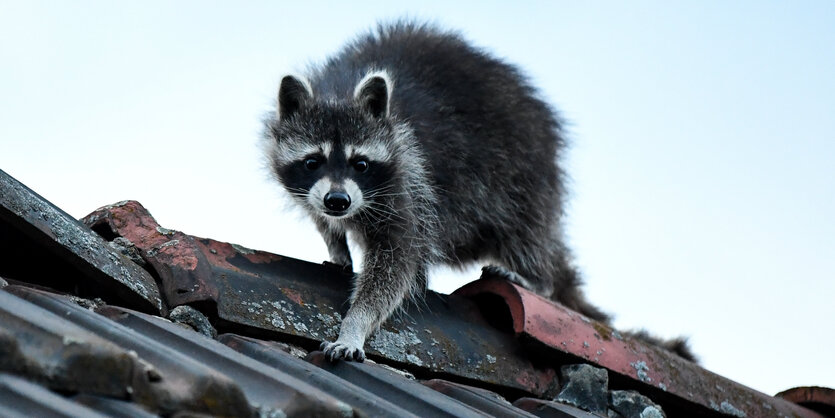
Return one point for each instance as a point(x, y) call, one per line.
point(361, 165)
point(312, 163)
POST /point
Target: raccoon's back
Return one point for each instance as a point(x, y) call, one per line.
point(438, 77)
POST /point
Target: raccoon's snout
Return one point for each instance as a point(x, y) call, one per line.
point(337, 201)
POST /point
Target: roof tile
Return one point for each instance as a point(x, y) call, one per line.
point(481, 399)
point(192, 372)
point(172, 380)
point(20, 398)
point(112, 407)
point(551, 409)
point(365, 401)
point(816, 398)
point(268, 292)
point(406, 393)
point(39, 237)
point(550, 326)
point(269, 389)
point(121, 362)
point(48, 348)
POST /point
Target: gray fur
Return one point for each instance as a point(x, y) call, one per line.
point(465, 159)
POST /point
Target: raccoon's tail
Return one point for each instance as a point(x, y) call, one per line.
point(678, 345)
point(573, 298)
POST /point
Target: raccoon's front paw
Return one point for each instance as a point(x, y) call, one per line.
point(341, 257)
point(341, 350)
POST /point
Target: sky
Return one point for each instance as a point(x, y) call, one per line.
point(703, 141)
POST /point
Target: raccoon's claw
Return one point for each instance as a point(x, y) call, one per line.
point(511, 276)
point(336, 351)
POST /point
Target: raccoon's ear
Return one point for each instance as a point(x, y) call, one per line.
point(373, 93)
point(292, 95)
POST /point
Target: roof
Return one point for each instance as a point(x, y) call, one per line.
point(117, 315)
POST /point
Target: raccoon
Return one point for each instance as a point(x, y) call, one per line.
point(427, 151)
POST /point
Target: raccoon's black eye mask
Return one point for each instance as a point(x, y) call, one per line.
point(312, 163)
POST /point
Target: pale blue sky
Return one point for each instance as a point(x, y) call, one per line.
point(702, 159)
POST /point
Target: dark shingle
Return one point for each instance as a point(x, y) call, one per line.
point(20, 398)
point(367, 402)
point(47, 347)
point(44, 244)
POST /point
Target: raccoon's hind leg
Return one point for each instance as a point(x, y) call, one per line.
point(511, 276)
point(523, 262)
point(545, 270)
point(337, 244)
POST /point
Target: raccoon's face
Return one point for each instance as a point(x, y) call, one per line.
point(333, 178)
point(333, 158)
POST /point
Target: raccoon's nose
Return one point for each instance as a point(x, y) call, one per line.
point(337, 201)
